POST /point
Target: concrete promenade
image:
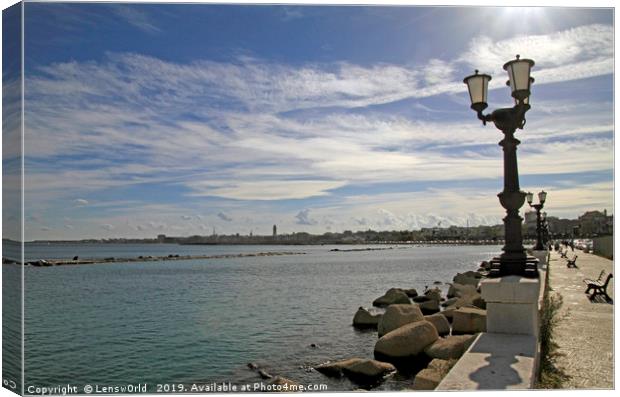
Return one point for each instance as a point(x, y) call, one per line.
point(585, 333)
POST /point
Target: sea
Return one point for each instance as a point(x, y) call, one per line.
point(187, 322)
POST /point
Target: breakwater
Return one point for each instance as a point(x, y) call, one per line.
point(149, 258)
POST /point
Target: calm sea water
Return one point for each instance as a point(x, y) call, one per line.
point(204, 320)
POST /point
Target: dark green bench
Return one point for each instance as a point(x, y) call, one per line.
point(598, 287)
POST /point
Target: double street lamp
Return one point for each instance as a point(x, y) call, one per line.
point(542, 196)
point(513, 260)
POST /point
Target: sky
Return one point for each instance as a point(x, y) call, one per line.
point(188, 119)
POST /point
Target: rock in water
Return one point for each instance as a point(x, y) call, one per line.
point(458, 290)
point(367, 372)
point(469, 320)
point(392, 296)
point(411, 292)
point(364, 319)
point(334, 369)
point(360, 371)
point(396, 316)
point(467, 278)
point(440, 322)
point(450, 347)
point(421, 298)
point(406, 341)
point(429, 307)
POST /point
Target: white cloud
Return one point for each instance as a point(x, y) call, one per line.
point(123, 122)
point(224, 217)
point(303, 218)
point(136, 17)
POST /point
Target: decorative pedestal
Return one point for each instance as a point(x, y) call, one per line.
point(512, 304)
point(542, 258)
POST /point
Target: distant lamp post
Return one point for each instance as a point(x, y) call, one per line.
point(542, 196)
point(514, 260)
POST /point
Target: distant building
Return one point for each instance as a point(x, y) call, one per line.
point(595, 223)
point(275, 231)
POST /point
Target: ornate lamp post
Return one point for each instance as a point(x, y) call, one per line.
point(542, 196)
point(514, 260)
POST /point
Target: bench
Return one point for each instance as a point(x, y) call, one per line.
point(571, 262)
point(598, 287)
point(599, 279)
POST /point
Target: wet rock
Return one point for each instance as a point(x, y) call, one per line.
point(361, 371)
point(411, 292)
point(440, 322)
point(429, 307)
point(368, 371)
point(406, 341)
point(396, 316)
point(364, 319)
point(421, 298)
point(469, 320)
point(334, 369)
point(450, 347)
point(314, 346)
point(252, 366)
point(392, 296)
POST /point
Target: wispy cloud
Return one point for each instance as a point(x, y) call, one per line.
point(136, 17)
point(303, 218)
point(257, 130)
point(224, 217)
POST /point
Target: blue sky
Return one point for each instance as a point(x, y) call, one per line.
point(178, 119)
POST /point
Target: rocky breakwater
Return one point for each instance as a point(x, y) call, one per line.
point(421, 336)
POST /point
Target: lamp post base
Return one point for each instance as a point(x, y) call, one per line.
point(526, 266)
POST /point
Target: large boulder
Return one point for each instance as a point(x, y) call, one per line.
point(427, 379)
point(396, 316)
point(450, 347)
point(364, 319)
point(361, 371)
point(391, 297)
point(467, 278)
point(368, 371)
point(429, 307)
point(406, 341)
point(440, 322)
point(411, 292)
point(430, 377)
point(449, 302)
point(469, 320)
point(464, 279)
point(458, 290)
point(420, 298)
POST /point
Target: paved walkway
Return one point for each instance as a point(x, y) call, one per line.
point(585, 334)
